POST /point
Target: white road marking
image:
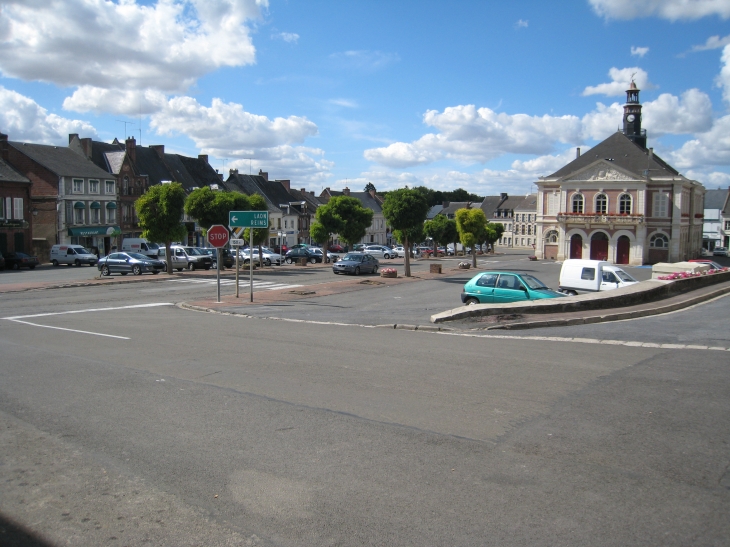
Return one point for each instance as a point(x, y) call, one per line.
point(17, 318)
point(263, 285)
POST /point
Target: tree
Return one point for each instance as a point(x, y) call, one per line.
point(370, 187)
point(494, 232)
point(342, 215)
point(256, 202)
point(160, 212)
point(210, 207)
point(405, 210)
point(472, 227)
point(441, 230)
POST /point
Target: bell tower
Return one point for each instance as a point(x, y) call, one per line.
point(632, 116)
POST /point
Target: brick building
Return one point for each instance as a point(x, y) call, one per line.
point(15, 211)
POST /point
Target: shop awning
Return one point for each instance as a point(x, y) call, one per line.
point(111, 205)
point(88, 231)
point(79, 205)
point(95, 205)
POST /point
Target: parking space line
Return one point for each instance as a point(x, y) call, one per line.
point(153, 305)
point(69, 330)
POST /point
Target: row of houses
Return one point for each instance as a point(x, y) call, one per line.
point(618, 202)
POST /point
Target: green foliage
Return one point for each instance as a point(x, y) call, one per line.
point(441, 229)
point(318, 233)
point(160, 212)
point(405, 209)
point(345, 216)
point(405, 237)
point(436, 197)
point(210, 207)
point(494, 232)
point(370, 187)
point(472, 227)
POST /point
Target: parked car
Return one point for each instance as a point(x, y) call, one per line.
point(245, 257)
point(710, 263)
point(399, 251)
point(2, 262)
point(178, 255)
point(228, 259)
point(124, 263)
point(197, 259)
point(505, 287)
point(591, 276)
point(296, 254)
point(356, 263)
point(72, 254)
point(281, 249)
point(358, 247)
point(379, 251)
point(271, 257)
point(140, 245)
point(15, 261)
point(336, 249)
point(720, 251)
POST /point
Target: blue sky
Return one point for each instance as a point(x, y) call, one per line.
point(482, 95)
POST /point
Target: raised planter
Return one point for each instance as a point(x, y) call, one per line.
point(464, 265)
point(388, 272)
point(435, 268)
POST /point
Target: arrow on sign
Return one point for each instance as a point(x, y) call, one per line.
point(234, 218)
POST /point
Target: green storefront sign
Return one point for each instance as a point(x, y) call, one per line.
point(88, 231)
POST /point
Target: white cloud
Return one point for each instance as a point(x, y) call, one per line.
point(299, 164)
point(639, 51)
point(723, 79)
point(713, 42)
point(710, 179)
point(469, 135)
point(290, 37)
point(620, 80)
point(129, 102)
point(364, 59)
point(125, 45)
point(672, 10)
point(347, 103)
point(22, 119)
point(706, 149)
point(522, 23)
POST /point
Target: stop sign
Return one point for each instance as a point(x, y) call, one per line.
point(217, 235)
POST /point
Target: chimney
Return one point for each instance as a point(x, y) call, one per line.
point(203, 157)
point(346, 191)
point(160, 149)
point(4, 147)
point(286, 184)
point(445, 204)
point(303, 190)
point(72, 136)
point(503, 196)
point(264, 174)
point(372, 193)
point(577, 153)
point(131, 146)
point(220, 175)
point(86, 146)
point(232, 172)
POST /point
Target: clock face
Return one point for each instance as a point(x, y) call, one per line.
point(630, 118)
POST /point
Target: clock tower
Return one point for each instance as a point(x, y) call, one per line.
point(632, 116)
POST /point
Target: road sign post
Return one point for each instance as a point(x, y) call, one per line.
point(237, 243)
point(248, 219)
point(218, 237)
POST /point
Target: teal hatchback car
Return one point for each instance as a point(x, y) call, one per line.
point(505, 287)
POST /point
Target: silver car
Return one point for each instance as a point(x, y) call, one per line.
point(380, 251)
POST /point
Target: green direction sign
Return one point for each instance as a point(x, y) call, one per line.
point(248, 219)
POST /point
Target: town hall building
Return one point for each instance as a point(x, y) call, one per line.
point(620, 202)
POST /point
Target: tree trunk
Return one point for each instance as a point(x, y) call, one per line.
point(474, 256)
point(407, 261)
point(168, 256)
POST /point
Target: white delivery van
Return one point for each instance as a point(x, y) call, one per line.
point(141, 246)
point(72, 254)
point(591, 276)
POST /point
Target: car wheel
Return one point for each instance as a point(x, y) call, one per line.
point(179, 269)
point(214, 265)
point(357, 270)
point(571, 293)
point(105, 270)
point(54, 262)
point(471, 301)
point(267, 262)
point(312, 260)
point(288, 261)
point(16, 266)
point(386, 256)
point(137, 270)
point(77, 262)
point(375, 270)
point(191, 266)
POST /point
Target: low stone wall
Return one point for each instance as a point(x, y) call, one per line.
point(643, 292)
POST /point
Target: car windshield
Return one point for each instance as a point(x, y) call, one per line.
point(137, 256)
point(194, 251)
point(624, 276)
point(534, 283)
point(353, 258)
point(153, 246)
point(82, 251)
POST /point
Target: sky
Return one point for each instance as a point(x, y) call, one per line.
point(483, 95)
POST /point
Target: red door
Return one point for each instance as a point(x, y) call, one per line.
point(622, 250)
point(599, 246)
point(576, 246)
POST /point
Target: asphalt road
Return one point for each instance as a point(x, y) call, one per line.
point(157, 425)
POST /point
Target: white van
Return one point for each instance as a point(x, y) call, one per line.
point(72, 254)
point(592, 276)
point(140, 245)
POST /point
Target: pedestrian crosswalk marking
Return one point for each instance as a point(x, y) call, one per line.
point(262, 285)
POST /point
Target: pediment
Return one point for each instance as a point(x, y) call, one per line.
point(601, 170)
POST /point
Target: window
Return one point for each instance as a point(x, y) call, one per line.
point(659, 241)
point(111, 215)
point(125, 213)
point(78, 216)
point(109, 187)
point(624, 204)
point(487, 280)
point(18, 208)
point(727, 224)
point(3, 209)
point(588, 274)
point(95, 216)
point(552, 236)
point(661, 205)
point(601, 204)
point(553, 204)
point(78, 186)
point(577, 202)
point(93, 186)
point(125, 186)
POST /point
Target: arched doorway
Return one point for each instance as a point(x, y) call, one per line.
point(576, 246)
point(622, 250)
point(599, 246)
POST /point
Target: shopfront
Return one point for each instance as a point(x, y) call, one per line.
point(100, 238)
